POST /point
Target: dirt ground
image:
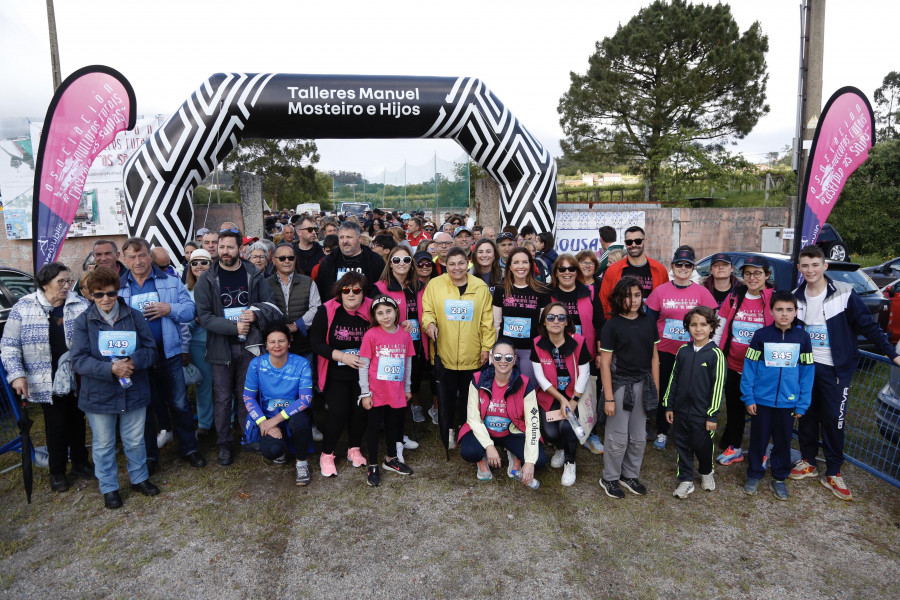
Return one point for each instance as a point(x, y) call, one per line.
point(246, 531)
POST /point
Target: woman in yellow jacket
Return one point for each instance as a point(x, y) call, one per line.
point(458, 316)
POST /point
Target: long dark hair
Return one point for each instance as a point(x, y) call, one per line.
point(620, 293)
point(496, 272)
point(570, 324)
point(509, 277)
point(412, 276)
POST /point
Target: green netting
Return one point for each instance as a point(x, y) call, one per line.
point(436, 185)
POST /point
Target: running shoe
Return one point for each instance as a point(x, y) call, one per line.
point(780, 489)
point(633, 485)
point(397, 467)
point(281, 460)
point(751, 487)
point(594, 444)
point(316, 434)
point(515, 465)
point(568, 476)
point(802, 470)
point(684, 489)
point(451, 439)
point(484, 471)
point(326, 465)
point(433, 413)
point(418, 414)
point(303, 473)
point(660, 442)
point(730, 456)
point(559, 458)
point(356, 458)
point(836, 484)
point(409, 444)
point(163, 438)
point(708, 481)
point(612, 489)
point(373, 479)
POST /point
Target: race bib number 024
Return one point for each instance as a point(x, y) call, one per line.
point(674, 330)
point(117, 343)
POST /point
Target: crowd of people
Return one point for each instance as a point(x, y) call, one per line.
point(339, 322)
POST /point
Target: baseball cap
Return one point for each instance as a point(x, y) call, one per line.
point(200, 254)
point(506, 235)
point(683, 256)
point(720, 257)
point(423, 255)
point(460, 229)
point(756, 261)
point(249, 240)
point(202, 231)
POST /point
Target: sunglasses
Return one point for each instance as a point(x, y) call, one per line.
point(555, 317)
point(349, 290)
point(396, 260)
point(429, 228)
point(504, 357)
point(199, 263)
point(308, 229)
point(285, 258)
point(636, 241)
point(99, 295)
point(425, 264)
point(567, 269)
point(229, 231)
point(683, 265)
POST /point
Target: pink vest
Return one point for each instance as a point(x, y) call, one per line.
point(330, 309)
point(545, 400)
point(586, 314)
point(515, 404)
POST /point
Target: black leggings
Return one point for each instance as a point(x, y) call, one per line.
point(65, 430)
point(736, 411)
point(666, 365)
point(343, 410)
point(393, 420)
point(455, 385)
point(560, 433)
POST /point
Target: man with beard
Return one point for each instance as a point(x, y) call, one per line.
point(650, 273)
point(307, 248)
point(352, 257)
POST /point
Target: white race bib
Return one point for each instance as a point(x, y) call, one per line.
point(391, 368)
point(674, 330)
point(459, 310)
point(742, 331)
point(142, 301)
point(781, 355)
point(353, 351)
point(818, 335)
point(517, 327)
point(117, 343)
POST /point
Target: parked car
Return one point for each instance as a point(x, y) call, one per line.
point(13, 285)
point(782, 278)
point(887, 414)
point(885, 273)
point(832, 245)
point(892, 293)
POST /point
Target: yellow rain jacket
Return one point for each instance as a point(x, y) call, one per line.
point(465, 323)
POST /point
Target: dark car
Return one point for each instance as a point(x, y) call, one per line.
point(782, 278)
point(885, 273)
point(831, 244)
point(887, 414)
point(13, 285)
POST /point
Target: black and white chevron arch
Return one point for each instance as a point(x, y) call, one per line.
point(160, 177)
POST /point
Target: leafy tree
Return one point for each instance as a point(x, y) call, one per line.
point(674, 71)
point(887, 107)
point(285, 165)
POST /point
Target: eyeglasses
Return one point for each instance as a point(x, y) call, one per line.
point(504, 357)
point(635, 241)
point(99, 295)
point(555, 317)
point(308, 229)
point(396, 260)
point(586, 263)
point(199, 263)
point(229, 231)
point(754, 274)
point(66, 282)
point(683, 265)
point(567, 269)
point(425, 264)
point(428, 228)
point(346, 290)
point(285, 258)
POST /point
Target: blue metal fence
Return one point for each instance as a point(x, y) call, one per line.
point(872, 426)
point(10, 440)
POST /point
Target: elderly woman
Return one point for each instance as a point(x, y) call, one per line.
point(589, 265)
point(35, 354)
point(198, 265)
point(112, 348)
point(259, 256)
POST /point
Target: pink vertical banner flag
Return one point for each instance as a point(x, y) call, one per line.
point(844, 135)
point(91, 107)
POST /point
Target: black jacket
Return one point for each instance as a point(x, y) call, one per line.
point(370, 264)
point(307, 259)
point(697, 382)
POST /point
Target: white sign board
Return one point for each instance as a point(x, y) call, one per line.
point(787, 233)
point(578, 230)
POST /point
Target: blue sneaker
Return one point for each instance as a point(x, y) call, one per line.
point(730, 456)
point(660, 442)
point(751, 487)
point(780, 489)
point(594, 444)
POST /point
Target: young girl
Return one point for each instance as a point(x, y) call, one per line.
point(384, 381)
point(629, 369)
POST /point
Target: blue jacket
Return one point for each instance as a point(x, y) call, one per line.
point(101, 392)
point(846, 315)
point(172, 291)
point(778, 369)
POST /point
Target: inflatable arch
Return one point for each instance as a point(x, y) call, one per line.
point(160, 177)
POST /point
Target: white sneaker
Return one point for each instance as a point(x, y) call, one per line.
point(708, 482)
point(316, 434)
point(163, 438)
point(418, 415)
point(409, 444)
point(400, 452)
point(568, 476)
point(433, 413)
point(559, 457)
point(684, 489)
point(451, 439)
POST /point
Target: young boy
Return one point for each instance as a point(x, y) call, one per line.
point(695, 393)
point(776, 388)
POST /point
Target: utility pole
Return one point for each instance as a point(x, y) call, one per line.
point(54, 46)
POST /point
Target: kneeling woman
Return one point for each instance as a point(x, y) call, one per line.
point(562, 369)
point(278, 388)
point(500, 409)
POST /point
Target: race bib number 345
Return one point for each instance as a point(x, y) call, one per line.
point(781, 355)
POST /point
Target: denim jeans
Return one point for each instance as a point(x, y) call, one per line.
point(204, 388)
point(131, 430)
point(167, 390)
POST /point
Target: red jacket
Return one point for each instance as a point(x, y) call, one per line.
point(613, 274)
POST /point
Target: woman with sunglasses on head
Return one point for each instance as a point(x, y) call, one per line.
point(486, 263)
point(745, 310)
point(562, 371)
point(199, 264)
point(500, 400)
point(667, 306)
point(400, 282)
point(112, 348)
point(517, 306)
point(35, 354)
point(336, 335)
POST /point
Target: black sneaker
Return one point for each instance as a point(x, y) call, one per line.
point(374, 478)
point(612, 489)
point(397, 467)
point(225, 456)
point(633, 485)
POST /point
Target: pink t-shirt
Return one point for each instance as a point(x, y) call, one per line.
point(387, 354)
point(672, 303)
point(496, 417)
point(750, 317)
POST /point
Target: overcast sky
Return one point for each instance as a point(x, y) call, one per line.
point(523, 51)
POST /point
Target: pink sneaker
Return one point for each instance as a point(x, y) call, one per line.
point(326, 465)
point(356, 458)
